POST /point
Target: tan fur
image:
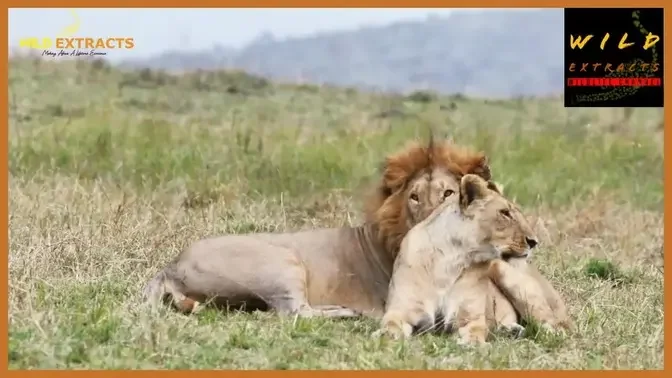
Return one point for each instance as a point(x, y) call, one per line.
point(325, 272)
point(443, 263)
point(517, 289)
point(530, 293)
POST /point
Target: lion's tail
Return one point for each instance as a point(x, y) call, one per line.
point(155, 289)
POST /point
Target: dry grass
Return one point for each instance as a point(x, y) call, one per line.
point(104, 191)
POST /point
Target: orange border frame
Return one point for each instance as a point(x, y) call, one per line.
point(4, 232)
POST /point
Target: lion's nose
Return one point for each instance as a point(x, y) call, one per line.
point(531, 242)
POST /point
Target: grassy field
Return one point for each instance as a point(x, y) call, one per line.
point(112, 173)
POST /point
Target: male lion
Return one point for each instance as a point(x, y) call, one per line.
point(336, 272)
point(442, 266)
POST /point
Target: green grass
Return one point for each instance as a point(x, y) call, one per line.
point(606, 270)
point(112, 173)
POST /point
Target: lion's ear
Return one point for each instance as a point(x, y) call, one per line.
point(394, 175)
point(472, 187)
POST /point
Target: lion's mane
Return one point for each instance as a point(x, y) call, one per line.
point(386, 207)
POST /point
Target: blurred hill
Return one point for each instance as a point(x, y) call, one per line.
point(495, 54)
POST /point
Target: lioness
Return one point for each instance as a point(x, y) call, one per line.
point(443, 263)
point(518, 291)
point(336, 272)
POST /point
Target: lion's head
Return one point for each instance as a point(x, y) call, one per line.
point(414, 182)
point(500, 221)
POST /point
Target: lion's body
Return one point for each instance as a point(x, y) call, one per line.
point(327, 272)
point(442, 266)
point(339, 266)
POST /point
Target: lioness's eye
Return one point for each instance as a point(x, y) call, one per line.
point(505, 212)
point(414, 197)
point(448, 193)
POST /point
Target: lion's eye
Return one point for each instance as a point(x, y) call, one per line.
point(448, 193)
point(414, 197)
point(505, 212)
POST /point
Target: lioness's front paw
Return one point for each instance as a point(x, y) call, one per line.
point(395, 330)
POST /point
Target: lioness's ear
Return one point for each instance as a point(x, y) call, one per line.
point(472, 187)
point(497, 187)
point(482, 168)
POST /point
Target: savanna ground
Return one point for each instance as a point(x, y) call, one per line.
point(112, 173)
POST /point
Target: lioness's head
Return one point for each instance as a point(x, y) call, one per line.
point(500, 222)
point(414, 182)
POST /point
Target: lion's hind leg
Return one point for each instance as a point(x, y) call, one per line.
point(163, 287)
point(178, 299)
point(287, 295)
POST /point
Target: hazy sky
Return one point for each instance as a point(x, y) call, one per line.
point(156, 30)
